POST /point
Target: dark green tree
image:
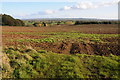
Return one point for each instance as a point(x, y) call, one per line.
point(10, 21)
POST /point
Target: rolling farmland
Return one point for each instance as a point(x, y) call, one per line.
point(71, 51)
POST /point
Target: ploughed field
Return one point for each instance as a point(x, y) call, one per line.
point(90, 28)
point(81, 51)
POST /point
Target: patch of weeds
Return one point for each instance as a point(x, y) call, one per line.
point(42, 51)
point(49, 40)
point(95, 40)
point(70, 58)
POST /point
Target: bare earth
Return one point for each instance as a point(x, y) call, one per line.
point(93, 28)
point(66, 47)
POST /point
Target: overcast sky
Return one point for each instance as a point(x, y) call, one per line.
point(27, 9)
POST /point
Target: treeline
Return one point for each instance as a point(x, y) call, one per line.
point(29, 23)
point(32, 23)
point(96, 22)
point(7, 20)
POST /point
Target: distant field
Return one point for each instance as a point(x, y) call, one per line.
point(91, 28)
point(82, 51)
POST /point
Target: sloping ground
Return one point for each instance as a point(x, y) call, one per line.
point(61, 52)
point(80, 48)
point(66, 43)
point(28, 63)
point(71, 47)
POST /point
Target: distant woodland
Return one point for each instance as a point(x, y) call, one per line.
point(7, 20)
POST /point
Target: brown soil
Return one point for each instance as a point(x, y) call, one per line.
point(66, 47)
point(75, 47)
point(81, 48)
point(21, 36)
point(91, 28)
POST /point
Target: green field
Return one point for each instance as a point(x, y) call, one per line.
point(30, 52)
point(29, 63)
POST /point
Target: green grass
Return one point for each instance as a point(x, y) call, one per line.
point(66, 34)
point(30, 63)
point(26, 62)
point(50, 40)
point(63, 36)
